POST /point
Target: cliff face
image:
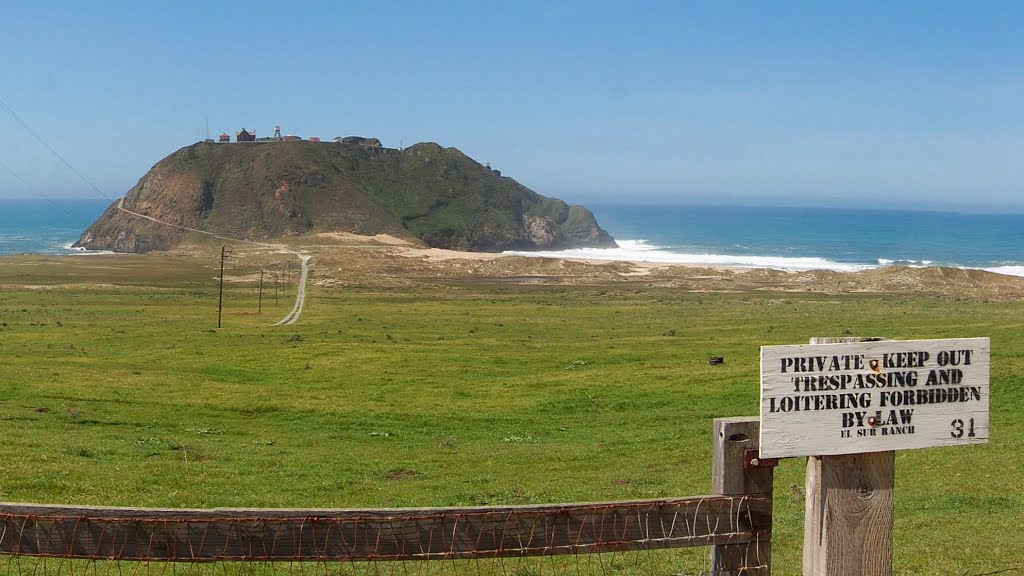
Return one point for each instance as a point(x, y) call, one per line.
point(266, 190)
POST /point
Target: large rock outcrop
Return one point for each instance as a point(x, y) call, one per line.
point(266, 190)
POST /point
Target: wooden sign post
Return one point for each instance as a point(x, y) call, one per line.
point(848, 404)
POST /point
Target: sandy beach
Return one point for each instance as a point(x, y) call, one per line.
point(351, 258)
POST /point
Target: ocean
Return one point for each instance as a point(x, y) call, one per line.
point(809, 238)
point(45, 226)
point(781, 238)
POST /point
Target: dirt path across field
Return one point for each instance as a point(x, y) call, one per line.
point(300, 293)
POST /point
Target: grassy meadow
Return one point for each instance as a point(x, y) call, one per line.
point(118, 389)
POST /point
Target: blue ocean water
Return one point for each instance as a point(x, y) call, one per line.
point(809, 238)
point(782, 238)
point(45, 226)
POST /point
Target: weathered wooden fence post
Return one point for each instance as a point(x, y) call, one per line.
point(848, 515)
point(737, 470)
point(848, 510)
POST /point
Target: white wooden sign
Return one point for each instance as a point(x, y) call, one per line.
point(826, 399)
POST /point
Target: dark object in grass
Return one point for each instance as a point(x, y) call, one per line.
point(715, 361)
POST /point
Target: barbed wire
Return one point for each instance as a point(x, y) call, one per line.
point(647, 563)
point(552, 538)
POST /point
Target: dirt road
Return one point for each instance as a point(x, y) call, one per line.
point(300, 293)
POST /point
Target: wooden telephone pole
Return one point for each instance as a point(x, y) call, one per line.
point(259, 305)
point(224, 255)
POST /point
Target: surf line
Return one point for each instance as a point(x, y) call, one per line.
point(300, 293)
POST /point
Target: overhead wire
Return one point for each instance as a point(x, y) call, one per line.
point(291, 318)
point(120, 203)
point(23, 124)
point(35, 190)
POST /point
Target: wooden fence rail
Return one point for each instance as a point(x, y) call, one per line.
point(405, 534)
point(737, 523)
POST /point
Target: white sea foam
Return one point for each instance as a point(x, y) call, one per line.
point(1010, 270)
point(1007, 270)
point(642, 251)
point(908, 263)
point(81, 251)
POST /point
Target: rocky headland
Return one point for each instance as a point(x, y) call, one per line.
point(264, 191)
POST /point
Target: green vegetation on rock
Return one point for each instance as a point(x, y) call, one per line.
point(267, 190)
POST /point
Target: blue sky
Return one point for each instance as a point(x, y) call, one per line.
point(869, 104)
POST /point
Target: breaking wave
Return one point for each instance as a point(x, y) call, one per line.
point(70, 247)
point(644, 251)
point(1007, 270)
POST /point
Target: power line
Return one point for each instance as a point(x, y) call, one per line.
point(39, 139)
point(120, 204)
point(33, 189)
point(16, 176)
point(292, 317)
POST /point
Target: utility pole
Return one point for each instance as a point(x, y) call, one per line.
point(224, 255)
point(277, 278)
point(259, 308)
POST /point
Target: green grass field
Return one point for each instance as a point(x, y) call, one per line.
point(126, 394)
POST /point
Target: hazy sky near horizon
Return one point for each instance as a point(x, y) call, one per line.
point(872, 104)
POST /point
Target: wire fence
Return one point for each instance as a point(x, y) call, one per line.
point(605, 538)
point(686, 562)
